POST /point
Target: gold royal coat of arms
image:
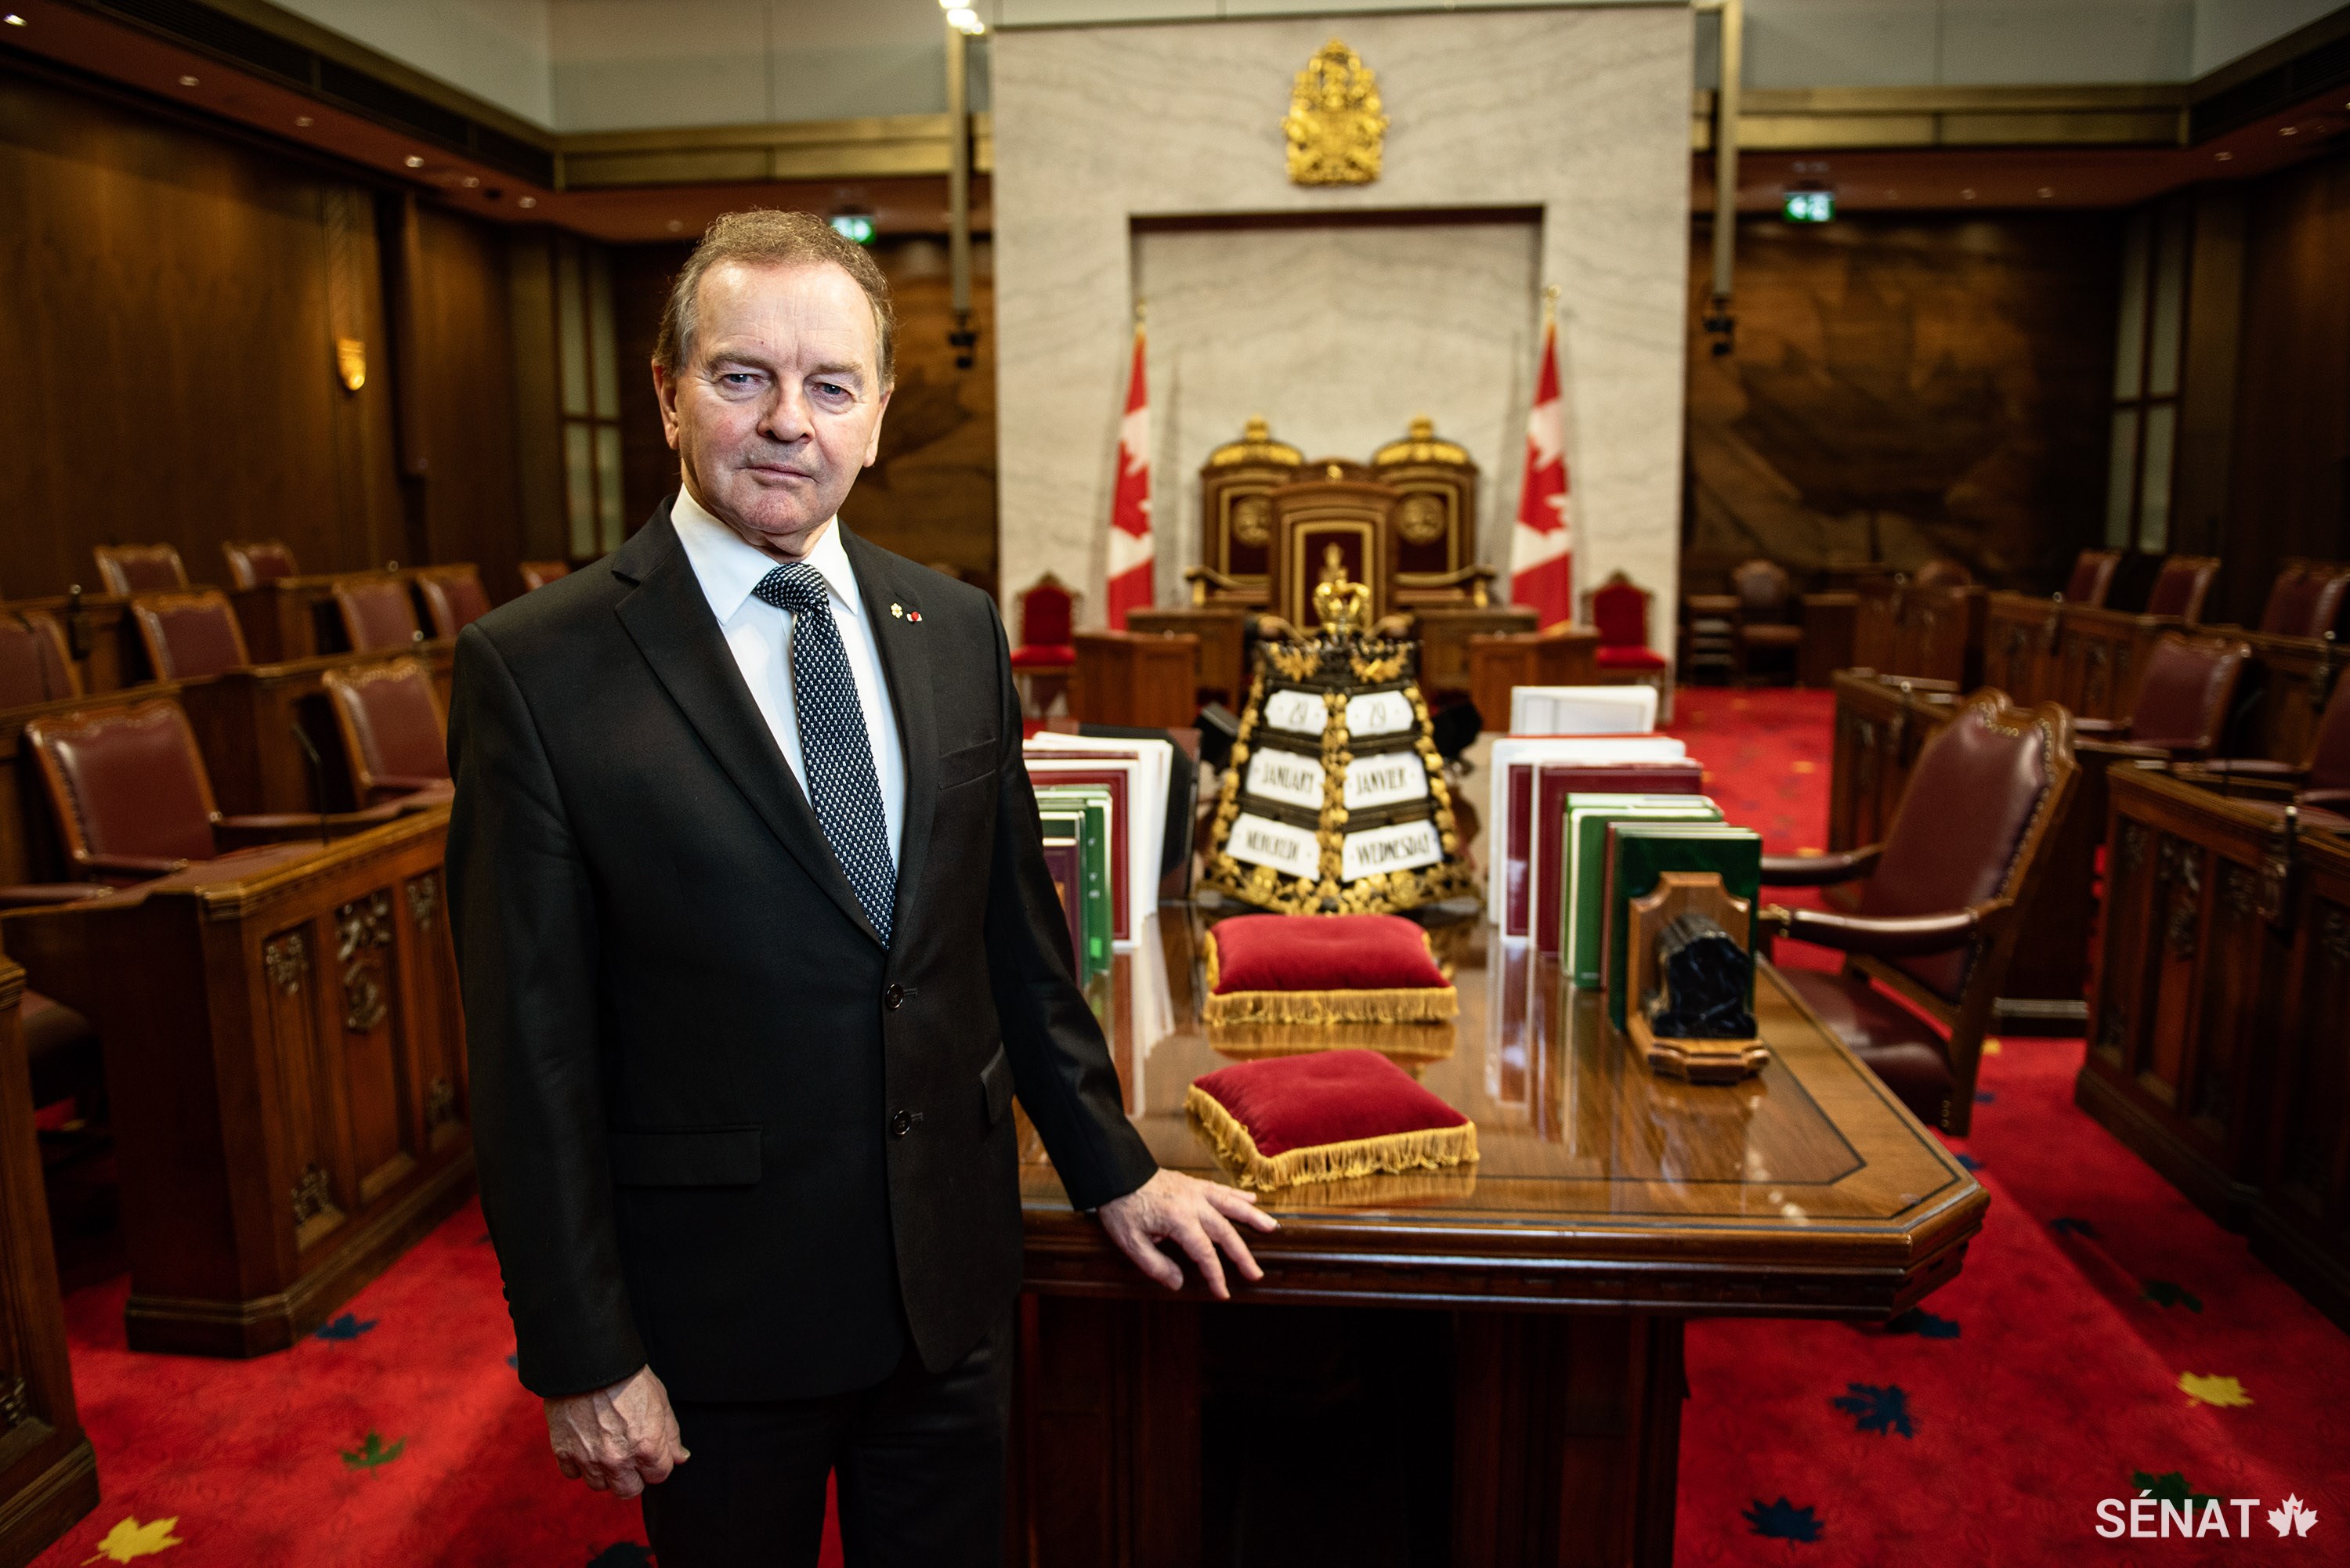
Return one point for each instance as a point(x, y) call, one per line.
point(1335, 124)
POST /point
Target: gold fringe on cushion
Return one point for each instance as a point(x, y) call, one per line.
point(1414, 1004)
point(1432, 1149)
point(1412, 1045)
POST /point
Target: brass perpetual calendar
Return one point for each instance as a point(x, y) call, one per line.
point(1336, 801)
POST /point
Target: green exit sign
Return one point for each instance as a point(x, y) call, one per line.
point(1809, 206)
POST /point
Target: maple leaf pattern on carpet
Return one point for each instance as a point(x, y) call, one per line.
point(1873, 1410)
point(2223, 1392)
point(130, 1540)
point(1782, 1520)
point(346, 1327)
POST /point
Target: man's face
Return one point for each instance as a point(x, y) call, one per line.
point(781, 402)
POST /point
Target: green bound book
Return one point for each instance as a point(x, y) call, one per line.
point(1065, 855)
point(1582, 847)
point(1094, 802)
point(1640, 852)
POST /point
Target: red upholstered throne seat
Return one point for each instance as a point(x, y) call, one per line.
point(1327, 1117)
point(1324, 969)
point(189, 635)
point(1043, 655)
point(1046, 655)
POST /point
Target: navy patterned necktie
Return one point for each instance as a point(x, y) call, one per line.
point(835, 752)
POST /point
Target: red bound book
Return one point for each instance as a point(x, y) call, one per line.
point(1546, 802)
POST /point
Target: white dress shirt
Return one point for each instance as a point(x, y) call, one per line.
point(759, 635)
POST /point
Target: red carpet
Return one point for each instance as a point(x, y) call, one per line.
point(1983, 1430)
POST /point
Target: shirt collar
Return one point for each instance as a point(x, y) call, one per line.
point(729, 569)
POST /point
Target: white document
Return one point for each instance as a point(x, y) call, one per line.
point(1583, 710)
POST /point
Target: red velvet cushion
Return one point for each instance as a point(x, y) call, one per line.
point(1322, 952)
point(1331, 1096)
point(1030, 654)
point(1631, 659)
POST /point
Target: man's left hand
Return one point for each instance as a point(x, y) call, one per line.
point(1198, 1216)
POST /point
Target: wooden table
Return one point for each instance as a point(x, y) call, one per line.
point(49, 1477)
point(1534, 1363)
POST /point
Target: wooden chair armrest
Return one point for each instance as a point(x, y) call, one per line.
point(2228, 783)
point(2101, 729)
point(2108, 752)
point(281, 827)
point(131, 865)
point(1878, 936)
point(35, 895)
point(1820, 871)
point(2335, 800)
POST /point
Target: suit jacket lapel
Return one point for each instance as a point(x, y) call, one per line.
point(669, 619)
point(905, 659)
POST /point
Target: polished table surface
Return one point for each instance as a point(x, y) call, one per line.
point(1804, 1191)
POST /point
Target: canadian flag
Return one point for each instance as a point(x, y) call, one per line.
point(1130, 585)
point(1541, 547)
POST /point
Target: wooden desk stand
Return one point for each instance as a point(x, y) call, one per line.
point(49, 1477)
point(244, 722)
point(285, 1061)
point(1124, 678)
point(1680, 893)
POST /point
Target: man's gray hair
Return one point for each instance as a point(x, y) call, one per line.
point(762, 236)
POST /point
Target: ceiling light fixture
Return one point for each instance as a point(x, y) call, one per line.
point(530, 202)
point(2046, 191)
point(304, 122)
point(15, 21)
point(2282, 130)
point(187, 81)
point(414, 161)
point(1967, 195)
point(470, 181)
point(2222, 157)
point(675, 228)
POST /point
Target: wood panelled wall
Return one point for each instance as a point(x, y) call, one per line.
point(167, 357)
point(930, 494)
point(2288, 477)
point(1903, 388)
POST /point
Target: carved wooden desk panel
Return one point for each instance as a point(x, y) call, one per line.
point(1446, 632)
point(1608, 1206)
point(244, 722)
point(2220, 1047)
point(1124, 678)
point(2298, 674)
point(285, 1061)
point(2021, 635)
point(49, 1477)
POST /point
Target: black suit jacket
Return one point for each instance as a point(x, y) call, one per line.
point(720, 1128)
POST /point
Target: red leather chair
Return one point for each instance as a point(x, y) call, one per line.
point(538, 574)
point(2182, 586)
point(1618, 608)
point(35, 664)
point(395, 736)
point(2320, 781)
point(453, 599)
point(253, 561)
point(128, 569)
point(188, 636)
point(378, 615)
point(1938, 913)
point(1046, 654)
point(2183, 703)
point(2306, 599)
point(131, 798)
point(1764, 600)
point(2093, 576)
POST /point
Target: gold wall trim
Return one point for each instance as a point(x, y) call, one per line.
point(872, 147)
point(1852, 118)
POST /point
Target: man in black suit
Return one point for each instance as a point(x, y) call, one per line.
point(757, 945)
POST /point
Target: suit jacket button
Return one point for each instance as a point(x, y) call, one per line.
point(893, 998)
point(902, 1124)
